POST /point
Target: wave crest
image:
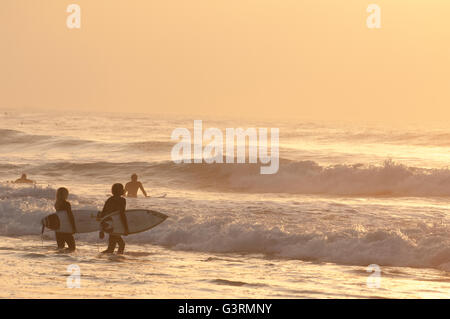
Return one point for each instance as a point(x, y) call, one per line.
point(293, 177)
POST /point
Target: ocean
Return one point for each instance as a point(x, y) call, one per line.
point(345, 196)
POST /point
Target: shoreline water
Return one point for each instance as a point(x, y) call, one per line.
point(154, 272)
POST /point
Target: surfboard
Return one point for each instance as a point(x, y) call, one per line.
point(85, 221)
point(139, 220)
point(150, 196)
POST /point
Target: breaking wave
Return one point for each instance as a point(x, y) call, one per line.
point(421, 245)
point(293, 177)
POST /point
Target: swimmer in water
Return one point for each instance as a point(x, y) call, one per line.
point(24, 180)
point(131, 188)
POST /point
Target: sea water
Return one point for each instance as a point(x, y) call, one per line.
point(346, 196)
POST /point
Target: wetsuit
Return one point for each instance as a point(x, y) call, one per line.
point(114, 204)
point(63, 238)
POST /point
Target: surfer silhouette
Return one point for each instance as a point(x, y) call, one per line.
point(62, 204)
point(23, 180)
point(131, 188)
point(113, 204)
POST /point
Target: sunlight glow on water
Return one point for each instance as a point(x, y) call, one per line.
point(146, 271)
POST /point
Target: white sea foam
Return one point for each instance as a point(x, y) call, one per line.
point(343, 235)
point(427, 248)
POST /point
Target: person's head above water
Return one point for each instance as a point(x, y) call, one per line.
point(61, 194)
point(117, 189)
point(23, 179)
point(134, 178)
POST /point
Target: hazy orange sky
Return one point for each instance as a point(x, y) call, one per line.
point(271, 58)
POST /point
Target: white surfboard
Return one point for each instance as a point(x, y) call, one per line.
point(85, 221)
point(163, 195)
point(159, 196)
point(139, 220)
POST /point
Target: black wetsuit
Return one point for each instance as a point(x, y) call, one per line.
point(114, 204)
point(63, 238)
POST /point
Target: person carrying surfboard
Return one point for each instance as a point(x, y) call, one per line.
point(132, 187)
point(62, 204)
point(113, 204)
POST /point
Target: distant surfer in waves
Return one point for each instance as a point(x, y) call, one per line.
point(62, 204)
point(23, 180)
point(113, 204)
point(131, 188)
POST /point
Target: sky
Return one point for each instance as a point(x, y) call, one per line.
point(313, 59)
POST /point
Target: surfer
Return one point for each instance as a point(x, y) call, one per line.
point(113, 204)
point(131, 188)
point(62, 204)
point(23, 180)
